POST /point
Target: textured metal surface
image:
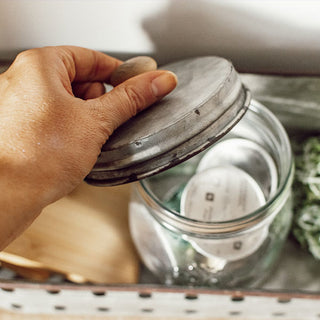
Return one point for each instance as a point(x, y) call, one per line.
point(291, 292)
point(294, 100)
point(125, 301)
point(208, 101)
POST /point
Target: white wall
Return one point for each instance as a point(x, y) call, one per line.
point(260, 35)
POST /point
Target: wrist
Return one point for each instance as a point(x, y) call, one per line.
point(23, 195)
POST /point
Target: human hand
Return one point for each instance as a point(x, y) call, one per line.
point(54, 118)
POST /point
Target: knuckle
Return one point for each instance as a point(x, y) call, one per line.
point(37, 56)
point(29, 60)
point(94, 71)
point(28, 55)
point(67, 57)
point(134, 100)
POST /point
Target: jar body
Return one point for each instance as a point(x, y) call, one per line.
point(230, 251)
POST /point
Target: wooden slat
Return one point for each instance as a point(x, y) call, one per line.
point(85, 234)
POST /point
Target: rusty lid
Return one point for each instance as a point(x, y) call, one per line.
point(208, 101)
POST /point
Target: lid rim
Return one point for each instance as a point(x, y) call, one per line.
point(115, 177)
point(211, 109)
point(209, 100)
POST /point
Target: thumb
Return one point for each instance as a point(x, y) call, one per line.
point(134, 95)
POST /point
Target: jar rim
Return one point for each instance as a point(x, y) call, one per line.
point(174, 220)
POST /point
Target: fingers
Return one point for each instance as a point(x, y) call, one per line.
point(85, 65)
point(132, 96)
point(71, 64)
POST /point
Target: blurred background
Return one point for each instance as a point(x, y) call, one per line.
point(274, 36)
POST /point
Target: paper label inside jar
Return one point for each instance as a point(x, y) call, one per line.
point(220, 194)
point(246, 155)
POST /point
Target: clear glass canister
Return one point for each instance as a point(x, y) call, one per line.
point(220, 218)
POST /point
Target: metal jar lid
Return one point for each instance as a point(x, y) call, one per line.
point(207, 102)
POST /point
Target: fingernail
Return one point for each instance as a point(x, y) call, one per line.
point(164, 84)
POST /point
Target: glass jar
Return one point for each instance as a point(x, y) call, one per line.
point(220, 218)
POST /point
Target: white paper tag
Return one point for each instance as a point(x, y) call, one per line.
point(246, 155)
point(222, 194)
